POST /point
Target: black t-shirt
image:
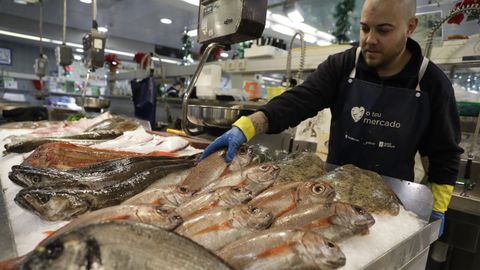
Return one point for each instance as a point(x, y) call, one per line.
point(319, 91)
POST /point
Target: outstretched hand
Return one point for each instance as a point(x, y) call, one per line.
point(231, 139)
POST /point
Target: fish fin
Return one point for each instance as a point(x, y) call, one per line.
point(292, 206)
point(283, 248)
point(156, 202)
point(319, 223)
point(125, 217)
point(226, 170)
point(217, 227)
point(203, 209)
point(48, 233)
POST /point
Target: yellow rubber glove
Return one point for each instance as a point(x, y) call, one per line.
point(441, 197)
point(246, 126)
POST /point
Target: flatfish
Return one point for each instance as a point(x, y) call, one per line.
point(363, 188)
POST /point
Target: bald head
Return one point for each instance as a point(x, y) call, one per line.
point(408, 8)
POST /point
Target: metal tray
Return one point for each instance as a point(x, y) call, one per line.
point(215, 116)
point(92, 103)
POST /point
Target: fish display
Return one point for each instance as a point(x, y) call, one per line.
point(282, 199)
point(103, 172)
point(167, 196)
point(220, 226)
point(65, 156)
point(214, 166)
point(64, 202)
point(115, 123)
point(29, 144)
point(224, 196)
point(121, 245)
point(336, 220)
point(363, 188)
point(255, 178)
point(278, 249)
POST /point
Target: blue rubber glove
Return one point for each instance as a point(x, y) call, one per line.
point(231, 139)
point(441, 216)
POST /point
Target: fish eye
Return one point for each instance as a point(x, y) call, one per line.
point(54, 251)
point(183, 189)
point(330, 244)
point(254, 210)
point(161, 210)
point(44, 198)
point(264, 167)
point(178, 218)
point(318, 189)
point(359, 210)
point(237, 189)
point(35, 179)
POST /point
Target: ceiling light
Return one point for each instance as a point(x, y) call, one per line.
point(281, 19)
point(325, 35)
point(224, 55)
point(86, 1)
point(77, 57)
point(293, 11)
point(323, 43)
point(102, 29)
point(79, 50)
point(306, 28)
point(283, 29)
point(192, 33)
point(310, 39)
point(296, 16)
point(268, 24)
point(166, 21)
point(192, 2)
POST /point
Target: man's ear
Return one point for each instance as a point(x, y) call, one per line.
point(412, 25)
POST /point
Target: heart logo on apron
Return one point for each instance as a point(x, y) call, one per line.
point(357, 113)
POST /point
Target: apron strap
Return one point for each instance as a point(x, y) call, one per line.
point(354, 70)
point(421, 72)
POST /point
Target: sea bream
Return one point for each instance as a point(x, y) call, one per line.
point(336, 220)
point(283, 249)
point(255, 178)
point(214, 166)
point(166, 219)
point(224, 196)
point(61, 203)
point(220, 226)
point(111, 170)
point(167, 196)
point(284, 198)
point(121, 245)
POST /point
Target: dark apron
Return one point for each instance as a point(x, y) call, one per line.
point(378, 127)
point(144, 97)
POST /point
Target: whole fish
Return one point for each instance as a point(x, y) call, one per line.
point(282, 199)
point(166, 219)
point(60, 203)
point(111, 170)
point(363, 188)
point(167, 196)
point(336, 221)
point(27, 145)
point(224, 196)
point(256, 178)
point(285, 248)
point(121, 245)
point(64, 156)
point(214, 166)
point(115, 123)
point(218, 227)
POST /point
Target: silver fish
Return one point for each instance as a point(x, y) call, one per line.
point(336, 221)
point(282, 199)
point(121, 245)
point(284, 248)
point(167, 196)
point(224, 196)
point(220, 226)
